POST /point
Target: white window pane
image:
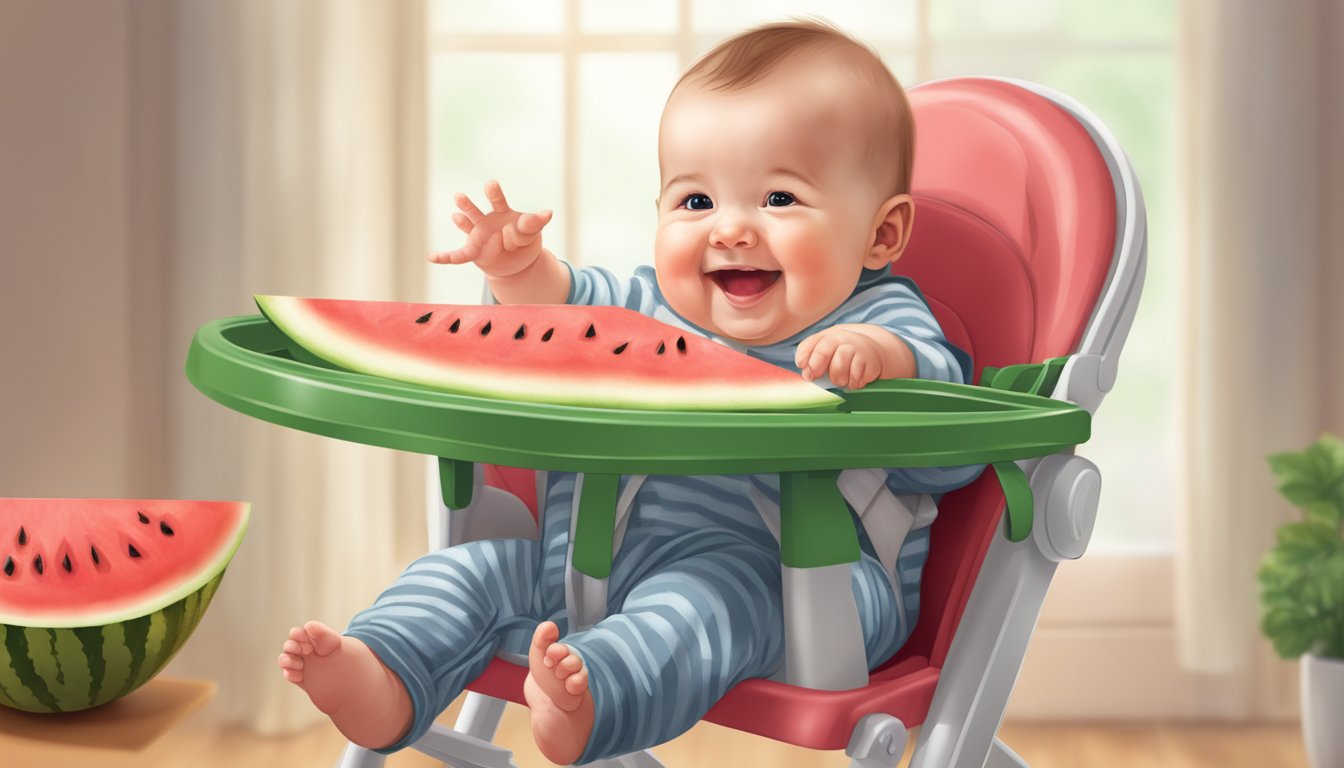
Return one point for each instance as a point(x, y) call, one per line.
point(902, 64)
point(628, 16)
point(869, 20)
point(1055, 19)
point(494, 116)
point(456, 17)
point(622, 100)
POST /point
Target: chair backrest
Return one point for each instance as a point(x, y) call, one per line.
point(1016, 236)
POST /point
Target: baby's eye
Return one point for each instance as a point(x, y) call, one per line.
point(779, 199)
point(697, 202)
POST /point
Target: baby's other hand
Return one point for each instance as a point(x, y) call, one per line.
point(852, 359)
point(502, 242)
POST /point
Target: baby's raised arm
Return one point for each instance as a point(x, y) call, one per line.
point(506, 245)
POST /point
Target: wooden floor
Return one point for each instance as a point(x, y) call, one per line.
point(193, 744)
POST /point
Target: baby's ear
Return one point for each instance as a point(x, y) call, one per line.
point(891, 231)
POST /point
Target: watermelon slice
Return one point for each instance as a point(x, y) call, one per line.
point(96, 595)
point(608, 357)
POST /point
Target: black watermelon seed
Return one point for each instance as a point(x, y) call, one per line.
point(143, 520)
point(547, 335)
point(620, 349)
point(591, 332)
point(456, 324)
point(23, 536)
point(661, 347)
point(37, 563)
point(521, 332)
point(424, 318)
point(165, 529)
point(65, 563)
point(485, 329)
point(681, 344)
point(133, 551)
point(94, 551)
point(9, 566)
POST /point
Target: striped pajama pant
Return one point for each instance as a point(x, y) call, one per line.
point(694, 607)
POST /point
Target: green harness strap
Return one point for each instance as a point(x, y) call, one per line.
point(1033, 379)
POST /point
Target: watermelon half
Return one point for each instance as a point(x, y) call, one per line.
point(594, 356)
point(96, 595)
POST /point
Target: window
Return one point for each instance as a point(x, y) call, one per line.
point(560, 101)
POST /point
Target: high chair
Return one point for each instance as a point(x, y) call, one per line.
point(1029, 246)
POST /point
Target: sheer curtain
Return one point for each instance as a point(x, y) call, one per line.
point(300, 131)
point(1265, 366)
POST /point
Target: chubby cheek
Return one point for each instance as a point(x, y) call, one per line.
point(822, 269)
point(678, 259)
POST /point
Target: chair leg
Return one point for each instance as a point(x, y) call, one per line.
point(1000, 756)
point(878, 741)
point(643, 759)
point(356, 756)
point(480, 716)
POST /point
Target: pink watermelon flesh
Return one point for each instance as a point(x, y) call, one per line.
point(90, 562)
point(563, 354)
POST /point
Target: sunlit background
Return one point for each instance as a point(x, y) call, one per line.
point(561, 101)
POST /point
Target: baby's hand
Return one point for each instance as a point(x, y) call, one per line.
point(852, 359)
point(503, 242)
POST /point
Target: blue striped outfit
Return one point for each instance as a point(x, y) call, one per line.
point(694, 599)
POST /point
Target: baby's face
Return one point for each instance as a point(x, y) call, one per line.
point(766, 215)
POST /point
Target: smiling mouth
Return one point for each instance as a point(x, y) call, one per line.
point(744, 283)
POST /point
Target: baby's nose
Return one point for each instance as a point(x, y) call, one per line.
point(732, 231)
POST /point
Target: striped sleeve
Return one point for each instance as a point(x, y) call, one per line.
point(597, 286)
point(900, 309)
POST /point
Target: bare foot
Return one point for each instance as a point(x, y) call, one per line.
point(557, 692)
point(348, 683)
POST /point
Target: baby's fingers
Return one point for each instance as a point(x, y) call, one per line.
point(531, 223)
point(495, 194)
point(467, 207)
point(841, 362)
point(463, 223)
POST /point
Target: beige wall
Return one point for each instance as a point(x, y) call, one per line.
point(84, 153)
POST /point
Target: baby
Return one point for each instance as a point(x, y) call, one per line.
point(785, 158)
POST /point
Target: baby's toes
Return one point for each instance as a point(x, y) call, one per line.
point(555, 654)
point(577, 684)
point(568, 666)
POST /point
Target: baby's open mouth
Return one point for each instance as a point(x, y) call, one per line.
point(744, 283)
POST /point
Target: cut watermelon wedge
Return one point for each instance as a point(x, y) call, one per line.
point(96, 595)
point(604, 357)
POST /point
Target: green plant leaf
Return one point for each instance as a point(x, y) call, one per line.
point(1313, 477)
point(1312, 536)
point(1289, 631)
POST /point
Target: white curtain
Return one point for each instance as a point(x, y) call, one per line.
point(1265, 363)
point(300, 128)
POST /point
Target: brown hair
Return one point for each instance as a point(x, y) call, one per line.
point(747, 57)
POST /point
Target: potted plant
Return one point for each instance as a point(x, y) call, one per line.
point(1302, 590)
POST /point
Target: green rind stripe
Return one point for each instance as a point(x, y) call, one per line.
point(137, 644)
point(118, 661)
point(153, 648)
point(52, 670)
point(16, 692)
point(17, 642)
point(42, 652)
point(76, 680)
point(91, 639)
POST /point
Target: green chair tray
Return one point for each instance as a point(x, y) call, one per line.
point(244, 363)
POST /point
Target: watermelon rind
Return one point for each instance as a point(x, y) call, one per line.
point(68, 669)
point(318, 338)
